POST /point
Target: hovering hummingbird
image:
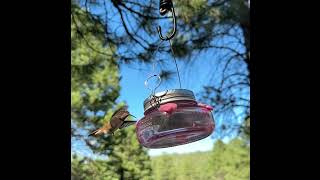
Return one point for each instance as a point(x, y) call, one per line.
point(117, 122)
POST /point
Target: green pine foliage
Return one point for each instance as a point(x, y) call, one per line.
point(95, 87)
point(229, 161)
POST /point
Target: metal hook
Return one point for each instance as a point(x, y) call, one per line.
point(174, 28)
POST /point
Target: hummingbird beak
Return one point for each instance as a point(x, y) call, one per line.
point(132, 115)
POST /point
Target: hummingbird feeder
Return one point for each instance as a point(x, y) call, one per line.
point(178, 119)
point(173, 117)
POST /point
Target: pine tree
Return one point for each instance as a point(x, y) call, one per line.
point(230, 161)
point(127, 158)
point(94, 90)
point(94, 73)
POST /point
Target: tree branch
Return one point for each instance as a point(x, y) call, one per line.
point(84, 38)
point(142, 15)
point(126, 28)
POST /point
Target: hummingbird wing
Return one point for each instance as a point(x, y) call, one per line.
point(127, 123)
point(120, 111)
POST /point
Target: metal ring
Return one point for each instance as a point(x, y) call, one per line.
point(154, 89)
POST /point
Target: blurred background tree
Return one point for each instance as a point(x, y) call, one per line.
point(227, 161)
point(230, 161)
point(95, 87)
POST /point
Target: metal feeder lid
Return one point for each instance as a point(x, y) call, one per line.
point(170, 95)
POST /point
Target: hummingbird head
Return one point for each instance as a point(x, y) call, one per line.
point(126, 114)
point(121, 114)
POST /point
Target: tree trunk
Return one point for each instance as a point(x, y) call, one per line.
point(121, 174)
point(246, 34)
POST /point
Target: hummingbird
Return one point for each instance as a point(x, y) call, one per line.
point(116, 122)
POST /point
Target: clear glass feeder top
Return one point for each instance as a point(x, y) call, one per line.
point(179, 120)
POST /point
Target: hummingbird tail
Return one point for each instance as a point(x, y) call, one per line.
point(98, 132)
